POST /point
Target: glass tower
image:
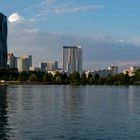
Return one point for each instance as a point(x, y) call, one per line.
point(72, 59)
point(3, 40)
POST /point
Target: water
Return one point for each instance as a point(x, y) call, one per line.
point(32, 112)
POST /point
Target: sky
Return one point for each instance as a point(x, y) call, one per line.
point(107, 30)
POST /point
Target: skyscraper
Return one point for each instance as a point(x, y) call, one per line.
point(3, 40)
point(12, 60)
point(72, 58)
point(24, 63)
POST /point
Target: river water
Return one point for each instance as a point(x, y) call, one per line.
point(49, 112)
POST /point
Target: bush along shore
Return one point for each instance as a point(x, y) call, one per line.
point(12, 76)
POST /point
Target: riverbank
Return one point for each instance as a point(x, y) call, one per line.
point(22, 83)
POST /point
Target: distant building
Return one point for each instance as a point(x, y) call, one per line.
point(104, 72)
point(24, 63)
point(49, 66)
point(52, 65)
point(131, 70)
point(114, 69)
point(43, 66)
point(72, 59)
point(3, 40)
point(35, 68)
point(12, 61)
point(134, 68)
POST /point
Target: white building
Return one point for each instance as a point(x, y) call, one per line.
point(72, 59)
point(131, 70)
point(104, 72)
point(24, 63)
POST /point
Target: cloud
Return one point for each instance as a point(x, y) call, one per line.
point(75, 9)
point(99, 50)
point(47, 2)
point(44, 46)
point(45, 8)
point(15, 18)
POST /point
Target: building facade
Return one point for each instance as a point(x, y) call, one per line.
point(114, 69)
point(12, 61)
point(43, 66)
point(3, 40)
point(131, 71)
point(52, 65)
point(72, 59)
point(24, 63)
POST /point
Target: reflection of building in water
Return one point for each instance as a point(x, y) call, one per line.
point(3, 113)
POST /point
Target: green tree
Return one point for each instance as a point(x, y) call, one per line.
point(74, 78)
point(33, 77)
point(83, 79)
point(90, 79)
point(48, 77)
point(23, 76)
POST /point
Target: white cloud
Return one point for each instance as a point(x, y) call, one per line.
point(46, 46)
point(47, 2)
point(120, 41)
point(15, 18)
point(47, 7)
point(75, 9)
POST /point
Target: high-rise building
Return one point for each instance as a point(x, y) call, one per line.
point(12, 60)
point(24, 63)
point(72, 59)
point(3, 40)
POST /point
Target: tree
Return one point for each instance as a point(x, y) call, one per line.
point(74, 78)
point(90, 79)
point(96, 76)
point(23, 76)
point(48, 77)
point(83, 79)
point(33, 77)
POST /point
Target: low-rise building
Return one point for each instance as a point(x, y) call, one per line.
point(131, 70)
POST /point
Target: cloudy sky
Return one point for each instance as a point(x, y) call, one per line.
point(107, 30)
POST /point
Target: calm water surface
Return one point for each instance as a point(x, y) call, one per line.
point(43, 112)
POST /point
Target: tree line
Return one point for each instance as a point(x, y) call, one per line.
point(12, 74)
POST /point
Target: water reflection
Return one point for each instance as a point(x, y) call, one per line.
point(68, 112)
point(3, 113)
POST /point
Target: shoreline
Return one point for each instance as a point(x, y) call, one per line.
point(23, 83)
point(6, 83)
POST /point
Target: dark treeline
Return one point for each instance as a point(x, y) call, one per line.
point(12, 74)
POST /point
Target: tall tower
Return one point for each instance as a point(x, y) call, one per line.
point(72, 58)
point(3, 40)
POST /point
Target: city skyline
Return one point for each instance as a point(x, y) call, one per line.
point(107, 31)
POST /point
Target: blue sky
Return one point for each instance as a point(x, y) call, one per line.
point(108, 30)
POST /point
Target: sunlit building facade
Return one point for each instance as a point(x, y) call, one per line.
point(24, 63)
point(72, 59)
point(3, 40)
